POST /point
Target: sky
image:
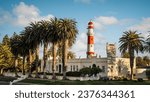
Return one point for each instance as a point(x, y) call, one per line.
point(111, 18)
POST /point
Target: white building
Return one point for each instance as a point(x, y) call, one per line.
point(111, 65)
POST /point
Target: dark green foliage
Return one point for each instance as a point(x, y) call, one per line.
point(75, 74)
point(140, 79)
point(125, 79)
point(85, 71)
point(90, 71)
point(96, 70)
point(33, 66)
point(148, 73)
point(142, 61)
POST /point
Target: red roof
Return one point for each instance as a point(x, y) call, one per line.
point(90, 23)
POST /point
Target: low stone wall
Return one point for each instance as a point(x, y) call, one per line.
point(58, 77)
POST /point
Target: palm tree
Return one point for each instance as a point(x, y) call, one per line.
point(54, 35)
point(71, 55)
point(130, 41)
point(36, 38)
point(29, 41)
point(45, 39)
point(147, 45)
point(68, 32)
point(24, 50)
point(14, 44)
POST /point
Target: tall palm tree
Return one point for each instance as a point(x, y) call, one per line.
point(132, 42)
point(68, 32)
point(24, 50)
point(147, 44)
point(54, 35)
point(36, 40)
point(28, 35)
point(14, 44)
point(44, 28)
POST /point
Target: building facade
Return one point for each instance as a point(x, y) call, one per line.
point(111, 65)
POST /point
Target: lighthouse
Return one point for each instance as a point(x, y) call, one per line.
point(90, 42)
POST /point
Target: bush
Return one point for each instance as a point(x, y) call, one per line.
point(104, 78)
point(148, 74)
point(85, 71)
point(125, 79)
point(95, 70)
point(75, 74)
point(140, 79)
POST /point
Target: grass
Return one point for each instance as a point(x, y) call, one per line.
point(77, 82)
point(73, 82)
point(7, 79)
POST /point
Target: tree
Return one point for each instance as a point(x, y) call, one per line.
point(68, 31)
point(132, 42)
point(126, 55)
point(139, 61)
point(147, 45)
point(28, 35)
point(24, 50)
point(54, 35)
point(71, 55)
point(44, 30)
point(14, 44)
point(36, 39)
point(146, 59)
point(5, 55)
point(6, 40)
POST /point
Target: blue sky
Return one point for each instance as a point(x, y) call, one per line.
point(110, 17)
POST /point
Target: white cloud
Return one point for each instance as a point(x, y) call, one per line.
point(102, 21)
point(5, 17)
point(143, 26)
point(80, 47)
point(27, 13)
point(22, 14)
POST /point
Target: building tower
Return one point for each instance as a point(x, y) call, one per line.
point(111, 53)
point(90, 42)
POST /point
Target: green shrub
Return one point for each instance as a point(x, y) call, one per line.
point(148, 74)
point(95, 70)
point(140, 79)
point(75, 74)
point(85, 71)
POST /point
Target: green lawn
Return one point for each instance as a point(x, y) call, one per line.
point(77, 82)
point(7, 79)
point(70, 82)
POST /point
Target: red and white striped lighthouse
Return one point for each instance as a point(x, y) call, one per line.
point(90, 42)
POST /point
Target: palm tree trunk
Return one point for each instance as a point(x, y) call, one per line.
point(37, 61)
point(54, 61)
point(131, 52)
point(64, 58)
point(23, 71)
point(45, 59)
point(30, 62)
point(16, 64)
